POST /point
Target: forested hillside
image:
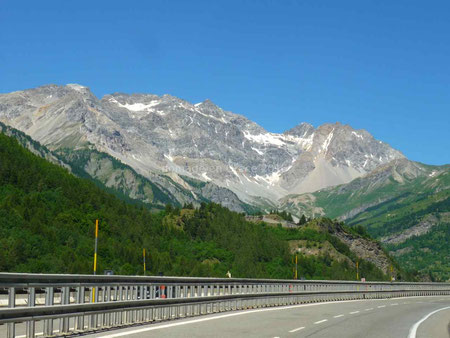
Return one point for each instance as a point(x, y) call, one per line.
point(47, 218)
point(404, 204)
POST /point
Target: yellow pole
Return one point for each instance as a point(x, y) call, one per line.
point(143, 254)
point(392, 270)
point(296, 266)
point(95, 257)
point(357, 270)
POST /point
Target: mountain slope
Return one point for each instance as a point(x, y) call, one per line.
point(47, 217)
point(162, 134)
point(121, 180)
point(404, 204)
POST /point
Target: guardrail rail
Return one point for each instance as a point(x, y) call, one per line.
point(52, 305)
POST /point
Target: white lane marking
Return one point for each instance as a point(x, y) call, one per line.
point(127, 333)
point(381, 306)
point(338, 316)
point(321, 321)
point(352, 313)
point(297, 329)
point(369, 309)
point(394, 304)
point(413, 330)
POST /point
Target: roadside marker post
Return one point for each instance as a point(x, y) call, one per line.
point(95, 257)
point(143, 254)
point(357, 271)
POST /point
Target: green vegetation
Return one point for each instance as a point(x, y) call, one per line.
point(150, 194)
point(283, 214)
point(47, 217)
point(47, 221)
point(428, 254)
point(315, 234)
point(387, 204)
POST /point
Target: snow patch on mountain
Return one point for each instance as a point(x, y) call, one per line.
point(258, 151)
point(327, 142)
point(139, 106)
point(76, 87)
point(267, 138)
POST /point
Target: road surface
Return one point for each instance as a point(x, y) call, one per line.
point(421, 317)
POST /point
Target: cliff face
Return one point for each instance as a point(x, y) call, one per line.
point(361, 245)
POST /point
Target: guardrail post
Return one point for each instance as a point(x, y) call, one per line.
point(31, 303)
point(107, 298)
point(65, 299)
point(10, 327)
point(120, 313)
point(49, 300)
point(79, 323)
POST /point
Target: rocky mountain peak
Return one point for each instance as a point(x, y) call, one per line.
point(303, 129)
point(154, 133)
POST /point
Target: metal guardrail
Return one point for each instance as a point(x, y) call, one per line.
point(64, 304)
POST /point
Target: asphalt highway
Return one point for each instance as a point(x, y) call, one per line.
point(412, 317)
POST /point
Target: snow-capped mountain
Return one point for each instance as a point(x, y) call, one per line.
point(167, 135)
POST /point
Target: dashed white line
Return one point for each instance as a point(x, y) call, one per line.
point(381, 306)
point(297, 329)
point(352, 313)
point(321, 321)
point(338, 316)
point(369, 309)
point(394, 304)
point(246, 312)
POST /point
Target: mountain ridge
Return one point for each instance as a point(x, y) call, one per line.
point(161, 134)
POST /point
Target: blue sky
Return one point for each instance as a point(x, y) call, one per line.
point(379, 65)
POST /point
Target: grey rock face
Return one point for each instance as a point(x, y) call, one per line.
point(166, 135)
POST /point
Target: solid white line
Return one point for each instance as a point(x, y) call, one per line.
point(352, 313)
point(369, 309)
point(381, 306)
point(413, 330)
point(297, 329)
point(338, 316)
point(127, 333)
point(321, 321)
